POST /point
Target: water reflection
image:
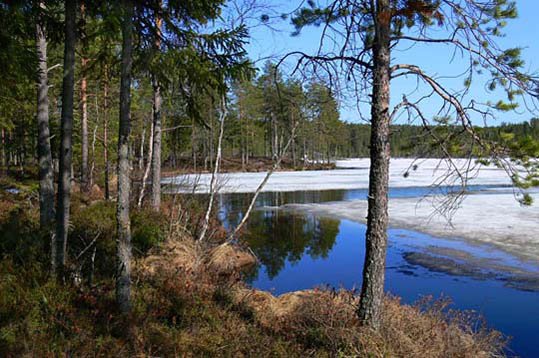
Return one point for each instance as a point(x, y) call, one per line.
point(276, 237)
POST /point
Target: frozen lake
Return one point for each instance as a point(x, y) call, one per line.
point(352, 174)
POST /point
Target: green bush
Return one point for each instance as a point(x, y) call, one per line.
point(148, 229)
point(20, 237)
point(99, 221)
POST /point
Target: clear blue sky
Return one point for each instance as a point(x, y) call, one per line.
point(435, 59)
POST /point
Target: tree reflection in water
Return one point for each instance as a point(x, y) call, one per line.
point(276, 237)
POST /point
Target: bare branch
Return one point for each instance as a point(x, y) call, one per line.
point(222, 115)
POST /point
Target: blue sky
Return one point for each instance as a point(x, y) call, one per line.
point(435, 59)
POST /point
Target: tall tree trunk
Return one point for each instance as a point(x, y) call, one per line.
point(275, 138)
point(211, 135)
point(4, 155)
point(193, 145)
point(46, 174)
point(123, 280)
point(84, 103)
point(10, 152)
point(21, 149)
point(156, 152)
point(372, 291)
point(205, 147)
point(142, 142)
point(94, 138)
point(92, 165)
point(293, 144)
point(106, 134)
point(243, 134)
point(66, 145)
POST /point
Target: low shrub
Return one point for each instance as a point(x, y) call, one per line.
point(20, 237)
point(96, 225)
point(148, 229)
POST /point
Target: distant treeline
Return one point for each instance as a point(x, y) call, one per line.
point(415, 141)
point(406, 140)
point(263, 113)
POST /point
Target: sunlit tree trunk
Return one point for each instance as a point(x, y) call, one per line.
point(46, 174)
point(147, 170)
point(66, 145)
point(123, 278)
point(372, 291)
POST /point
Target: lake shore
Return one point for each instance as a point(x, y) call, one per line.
point(235, 165)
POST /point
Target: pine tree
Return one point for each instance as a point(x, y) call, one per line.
point(369, 30)
point(66, 140)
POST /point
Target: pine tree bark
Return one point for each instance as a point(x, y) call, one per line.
point(123, 280)
point(46, 174)
point(66, 133)
point(157, 128)
point(84, 104)
point(372, 291)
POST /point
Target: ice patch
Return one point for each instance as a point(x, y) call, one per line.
point(404, 172)
point(495, 219)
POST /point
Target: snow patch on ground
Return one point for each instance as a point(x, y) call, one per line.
point(352, 174)
point(494, 219)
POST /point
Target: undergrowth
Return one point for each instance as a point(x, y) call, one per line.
point(188, 310)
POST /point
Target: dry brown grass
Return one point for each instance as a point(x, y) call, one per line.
point(325, 321)
point(325, 318)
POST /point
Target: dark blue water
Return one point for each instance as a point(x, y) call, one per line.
point(301, 251)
